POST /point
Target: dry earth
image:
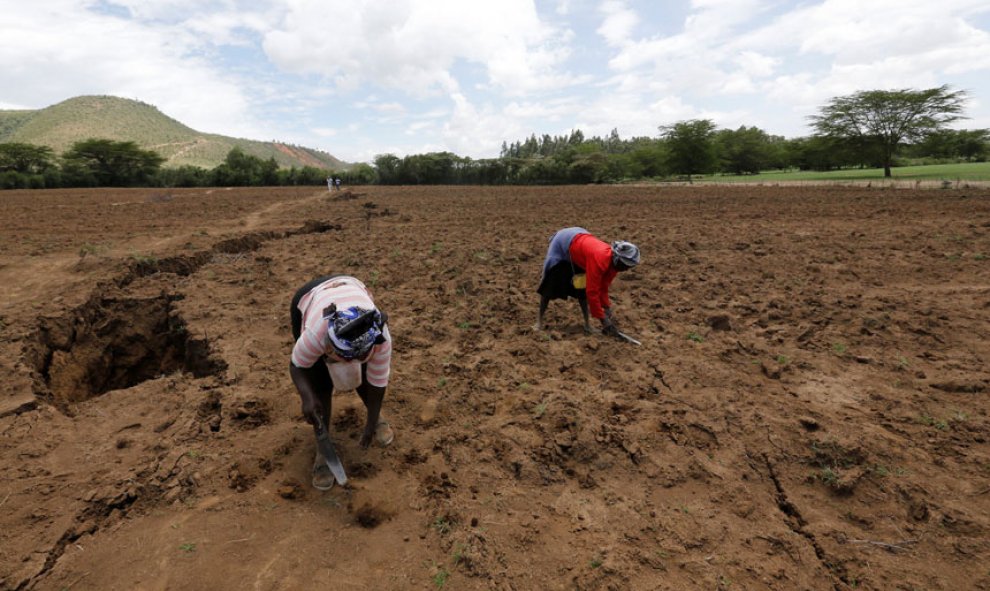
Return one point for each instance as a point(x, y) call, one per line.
point(808, 409)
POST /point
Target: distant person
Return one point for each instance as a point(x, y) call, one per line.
point(580, 266)
point(337, 182)
point(342, 343)
point(330, 183)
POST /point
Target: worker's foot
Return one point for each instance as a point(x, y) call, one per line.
point(384, 434)
point(322, 478)
point(588, 329)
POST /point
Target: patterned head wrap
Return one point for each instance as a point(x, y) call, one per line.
point(625, 253)
point(354, 331)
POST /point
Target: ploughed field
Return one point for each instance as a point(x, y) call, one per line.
point(808, 409)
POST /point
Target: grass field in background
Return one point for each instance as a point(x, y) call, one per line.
point(970, 171)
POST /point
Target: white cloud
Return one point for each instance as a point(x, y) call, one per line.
point(390, 108)
point(918, 45)
point(413, 45)
point(754, 64)
point(619, 22)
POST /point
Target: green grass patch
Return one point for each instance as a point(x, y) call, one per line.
point(964, 171)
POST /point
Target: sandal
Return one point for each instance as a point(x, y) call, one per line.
point(384, 434)
point(322, 477)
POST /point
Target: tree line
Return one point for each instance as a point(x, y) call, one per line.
point(99, 162)
point(869, 129)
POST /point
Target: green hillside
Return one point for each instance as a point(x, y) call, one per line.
point(108, 117)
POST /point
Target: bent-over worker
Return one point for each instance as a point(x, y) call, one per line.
point(342, 343)
point(581, 266)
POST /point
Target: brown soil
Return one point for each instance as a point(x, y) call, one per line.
point(808, 409)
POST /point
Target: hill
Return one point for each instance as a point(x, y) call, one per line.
point(119, 119)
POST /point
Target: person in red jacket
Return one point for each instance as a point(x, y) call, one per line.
point(581, 266)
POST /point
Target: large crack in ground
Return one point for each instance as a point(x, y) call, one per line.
point(116, 340)
point(796, 522)
point(87, 521)
point(184, 265)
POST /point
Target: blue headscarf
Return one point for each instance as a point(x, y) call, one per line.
point(354, 331)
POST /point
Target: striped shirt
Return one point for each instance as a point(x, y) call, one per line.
point(314, 340)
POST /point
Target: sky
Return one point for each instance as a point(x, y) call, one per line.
point(361, 78)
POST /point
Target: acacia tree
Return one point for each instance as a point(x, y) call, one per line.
point(886, 118)
point(691, 146)
point(388, 168)
point(112, 164)
point(26, 158)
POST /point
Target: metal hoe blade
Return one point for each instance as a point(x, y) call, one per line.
point(627, 338)
point(330, 454)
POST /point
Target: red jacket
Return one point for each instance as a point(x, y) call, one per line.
point(595, 257)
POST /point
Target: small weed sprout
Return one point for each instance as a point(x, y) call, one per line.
point(540, 409)
point(697, 338)
point(441, 382)
point(782, 360)
point(442, 525)
point(440, 579)
point(839, 349)
point(144, 259)
point(188, 547)
point(926, 419)
point(828, 477)
point(89, 249)
point(459, 552)
point(597, 561)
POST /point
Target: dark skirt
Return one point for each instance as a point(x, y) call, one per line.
point(556, 283)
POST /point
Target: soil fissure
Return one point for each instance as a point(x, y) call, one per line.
point(115, 342)
point(796, 522)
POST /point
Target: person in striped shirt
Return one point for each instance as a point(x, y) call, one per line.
point(342, 343)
